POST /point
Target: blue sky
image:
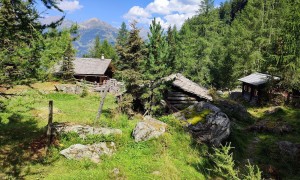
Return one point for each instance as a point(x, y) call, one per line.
point(114, 12)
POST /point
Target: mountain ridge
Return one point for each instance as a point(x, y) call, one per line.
point(88, 30)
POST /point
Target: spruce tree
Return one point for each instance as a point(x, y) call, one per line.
point(21, 42)
point(121, 43)
point(67, 63)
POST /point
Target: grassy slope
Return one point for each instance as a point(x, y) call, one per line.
point(173, 156)
point(261, 147)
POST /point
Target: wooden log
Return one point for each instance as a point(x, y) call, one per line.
point(182, 98)
point(177, 94)
point(183, 102)
point(49, 126)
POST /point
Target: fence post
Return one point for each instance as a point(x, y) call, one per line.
point(49, 126)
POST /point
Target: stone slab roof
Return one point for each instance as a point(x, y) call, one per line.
point(87, 66)
point(258, 78)
point(187, 85)
point(91, 66)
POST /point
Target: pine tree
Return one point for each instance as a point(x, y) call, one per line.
point(67, 63)
point(21, 42)
point(172, 41)
point(155, 67)
point(121, 43)
point(134, 50)
point(155, 64)
point(130, 68)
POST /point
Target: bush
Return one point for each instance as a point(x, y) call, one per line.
point(224, 166)
point(85, 91)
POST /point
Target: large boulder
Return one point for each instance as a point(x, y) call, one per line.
point(83, 131)
point(92, 152)
point(148, 128)
point(234, 110)
point(213, 128)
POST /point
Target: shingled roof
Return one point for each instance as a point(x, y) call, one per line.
point(87, 66)
point(188, 86)
point(258, 78)
point(90, 66)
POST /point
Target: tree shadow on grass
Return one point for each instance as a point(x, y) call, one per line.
point(17, 149)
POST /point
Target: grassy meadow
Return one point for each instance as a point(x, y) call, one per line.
point(173, 156)
point(24, 114)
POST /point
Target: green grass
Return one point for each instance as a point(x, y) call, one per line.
point(172, 156)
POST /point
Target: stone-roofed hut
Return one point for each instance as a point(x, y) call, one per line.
point(91, 69)
point(254, 85)
point(185, 92)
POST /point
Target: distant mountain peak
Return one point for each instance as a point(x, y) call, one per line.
point(93, 23)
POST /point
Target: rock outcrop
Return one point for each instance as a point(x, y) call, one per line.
point(271, 127)
point(213, 129)
point(83, 131)
point(92, 152)
point(234, 110)
point(148, 128)
point(289, 149)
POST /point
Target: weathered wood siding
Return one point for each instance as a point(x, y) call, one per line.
point(180, 99)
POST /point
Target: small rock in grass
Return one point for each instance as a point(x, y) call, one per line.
point(83, 131)
point(148, 128)
point(92, 152)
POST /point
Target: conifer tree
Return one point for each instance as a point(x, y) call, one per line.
point(130, 68)
point(121, 43)
point(67, 63)
point(21, 42)
point(172, 41)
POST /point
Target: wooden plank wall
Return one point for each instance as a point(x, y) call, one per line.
point(180, 100)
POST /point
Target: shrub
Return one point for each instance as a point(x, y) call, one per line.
point(85, 91)
point(224, 165)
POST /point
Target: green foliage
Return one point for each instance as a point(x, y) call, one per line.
point(22, 41)
point(253, 172)
point(101, 48)
point(224, 165)
point(85, 91)
point(171, 156)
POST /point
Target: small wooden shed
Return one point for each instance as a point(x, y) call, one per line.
point(253, 85)
point(91, 69)
point(185, 92)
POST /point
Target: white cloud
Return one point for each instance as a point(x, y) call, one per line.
point(167, 12)
point(69, 5)
point(137, 12)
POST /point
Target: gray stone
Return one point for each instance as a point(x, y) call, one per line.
point(289, 149)
point(214, 129)
point(234, 110)
point(205, 105)
point(92, 152)
point(69, 88)
point(83, 131)
point(148, 128)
